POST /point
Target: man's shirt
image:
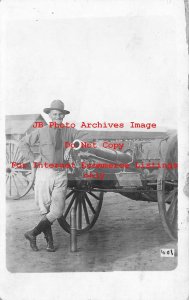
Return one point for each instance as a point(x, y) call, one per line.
point(46, 138)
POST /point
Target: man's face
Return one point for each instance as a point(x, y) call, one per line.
point(56, 116)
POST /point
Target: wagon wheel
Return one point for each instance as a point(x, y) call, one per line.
point(88, 205)
point(18, 180)
point(167, 186)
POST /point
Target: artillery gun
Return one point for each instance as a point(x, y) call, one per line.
point(145, 170)
point(131, 173)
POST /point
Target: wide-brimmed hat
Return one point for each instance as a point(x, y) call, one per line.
point(57, 105)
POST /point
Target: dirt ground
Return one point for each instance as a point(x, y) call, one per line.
point(127, 236)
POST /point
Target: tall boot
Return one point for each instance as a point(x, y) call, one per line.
point(49, 239)
point(31, 234)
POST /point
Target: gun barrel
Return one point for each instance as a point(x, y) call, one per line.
point(104, 153)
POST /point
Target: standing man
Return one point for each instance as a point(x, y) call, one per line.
point(50, 184)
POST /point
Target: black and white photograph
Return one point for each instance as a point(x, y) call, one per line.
point(95, 150)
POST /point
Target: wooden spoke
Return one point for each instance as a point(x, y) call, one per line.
point(89, 203)
point(69, 194)
point(92, 194)
point(10, 188)
point(170, 196)
point(24, 172)
point(10, 152)
point(7, 159)
point(69, 206)
point(175, 219)
point(20, 159)
point(15, 154)
point(85, 211)
point(15, 184)
point(76, 203)
point(171, 210)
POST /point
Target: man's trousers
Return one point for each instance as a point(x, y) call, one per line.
point(50, 192)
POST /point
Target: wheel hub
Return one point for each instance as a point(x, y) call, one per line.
point(8, 170)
